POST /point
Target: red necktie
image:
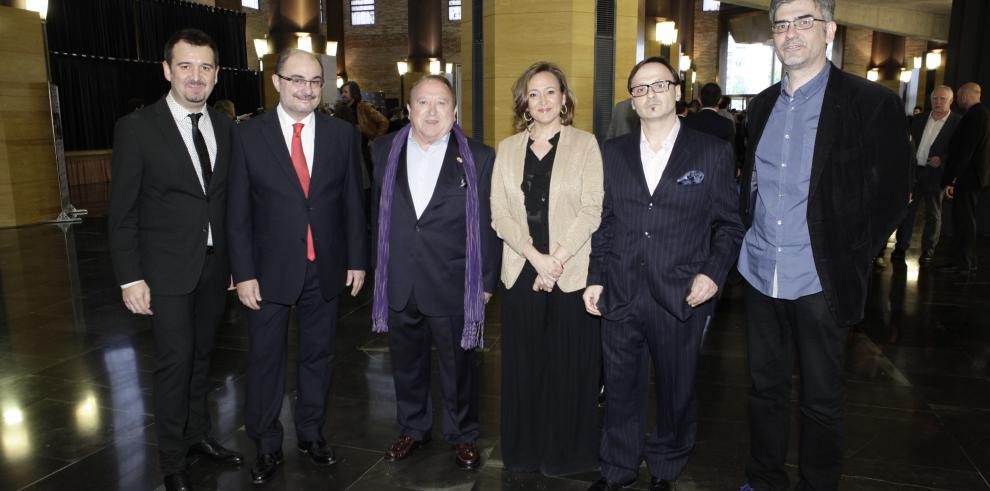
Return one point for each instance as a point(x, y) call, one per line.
point(299, 163)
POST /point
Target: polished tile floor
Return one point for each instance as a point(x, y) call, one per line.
point(75, 388)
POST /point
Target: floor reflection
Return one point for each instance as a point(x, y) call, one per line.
point(76, 371)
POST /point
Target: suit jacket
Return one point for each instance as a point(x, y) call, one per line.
point(941, 145)
point(427, 254)
point(969, 164)
point(713, 123)
point(268, 213)
point(575, 203)
point(158, 212)
point(656, 244)
point(860, 182)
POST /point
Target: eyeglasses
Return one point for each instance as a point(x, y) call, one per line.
point(801, 24)
point(659, 87)
point(300, 83)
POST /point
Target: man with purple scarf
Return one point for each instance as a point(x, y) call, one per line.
point(437, 263)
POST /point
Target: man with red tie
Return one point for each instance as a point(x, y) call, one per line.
point(297, 238)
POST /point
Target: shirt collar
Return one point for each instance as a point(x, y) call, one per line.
point(441, 143)
point(811, 88)
point(286, 121)
point(668, 141)
point(178, 111)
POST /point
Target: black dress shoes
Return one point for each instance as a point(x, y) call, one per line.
point(660, 485)
point(264, 468)
point(211, 449)
point(603, 485)
point(319, 452)
point(177, 482)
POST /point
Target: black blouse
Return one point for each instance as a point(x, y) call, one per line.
point(536, 188)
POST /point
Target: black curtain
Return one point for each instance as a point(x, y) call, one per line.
point(107, 52)
point(92, 27)
point(93, 93)
point(159, 19)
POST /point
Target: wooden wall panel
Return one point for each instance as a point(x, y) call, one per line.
point(28, 179)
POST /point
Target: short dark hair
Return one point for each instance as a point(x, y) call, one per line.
point(354, 89)
point(194, 37)
point(711, 93)
point(284, 56)
point(680, 106)
point(435, 78)
point(520, 103)
point(653, 59)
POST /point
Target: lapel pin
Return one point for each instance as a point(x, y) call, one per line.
point(460, 160)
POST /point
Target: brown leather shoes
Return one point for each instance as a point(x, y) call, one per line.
point(402, 448)
point(467, 456)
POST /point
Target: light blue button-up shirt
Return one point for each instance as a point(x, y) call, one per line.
point(776, 254)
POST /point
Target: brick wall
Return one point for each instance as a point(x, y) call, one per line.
point(371, 51)
point(857, 49)
point(705, 56)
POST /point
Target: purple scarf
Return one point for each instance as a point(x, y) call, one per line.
point(474, 304)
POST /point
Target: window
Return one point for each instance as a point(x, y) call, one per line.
point(251, 4)
point(750, 68)
point(453, 9)
point(362, 12)
point(710, 5)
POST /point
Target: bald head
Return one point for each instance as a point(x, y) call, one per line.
point(969, 95)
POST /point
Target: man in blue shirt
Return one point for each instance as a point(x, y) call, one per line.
point(825, 182)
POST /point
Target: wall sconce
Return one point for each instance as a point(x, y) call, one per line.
point(261, 47)
point(685, 63)
point(873, 74)
point(933, 60)
point(905, 75)
point(450, 68)
point(39, 6)
point(917, 62)
point(402, 67)
point(332, 48)
point(340, 81)
point(666, 32)
point(304, 42)
point(435, 66)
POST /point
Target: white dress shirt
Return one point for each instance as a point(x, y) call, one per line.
point(932, 128)
point(655, 162)
point(308, 134)
point(423, 170)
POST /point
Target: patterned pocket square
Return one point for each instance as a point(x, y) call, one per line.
point(691, 178)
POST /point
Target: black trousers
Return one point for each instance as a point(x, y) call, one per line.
point(265, 381)
point(185, 331)
point(964, 227)
point(775, 328)
point(551, 358)
point(928, 192)
point(628, 345)
point(410, 335)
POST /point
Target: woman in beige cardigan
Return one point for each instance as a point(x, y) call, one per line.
point(546, 202)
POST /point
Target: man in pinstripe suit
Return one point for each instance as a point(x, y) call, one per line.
point(669, 235)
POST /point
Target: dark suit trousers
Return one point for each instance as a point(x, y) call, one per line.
point(185, 330)
point(928, 192)
point(774, 328)
point(628, 344)
point(265, 383)
point(964, 227)
point(409, 343)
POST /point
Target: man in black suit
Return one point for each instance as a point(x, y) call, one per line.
point(297, 238)
point(824, 183)
point(931, 133)
point(437, 263)
point(669, 235)
point(168, 243)
point(967, 174)
point(708, 119)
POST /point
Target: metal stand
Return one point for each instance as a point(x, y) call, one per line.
point(69, 213)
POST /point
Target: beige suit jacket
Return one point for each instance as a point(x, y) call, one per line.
point(576, 192)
